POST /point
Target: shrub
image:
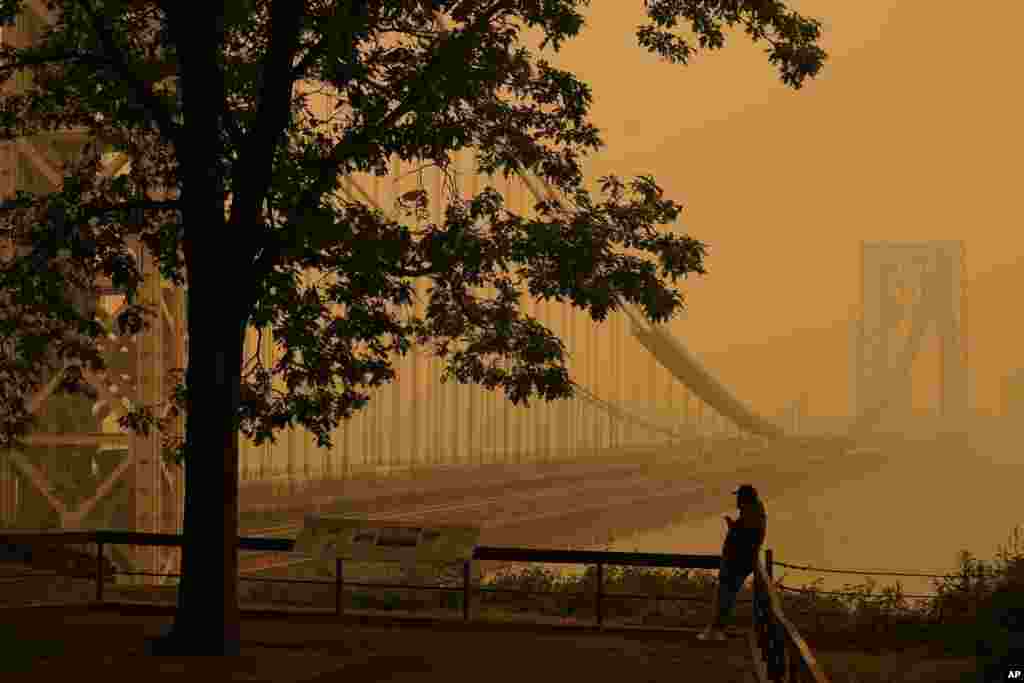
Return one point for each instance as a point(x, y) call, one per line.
point(1000, 635)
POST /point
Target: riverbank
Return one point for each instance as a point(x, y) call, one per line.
point(913, 514)
point(674, 491)
point(570, 513)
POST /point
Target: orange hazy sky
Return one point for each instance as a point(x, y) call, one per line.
point(908, 134)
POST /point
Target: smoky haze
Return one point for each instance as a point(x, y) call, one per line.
point(909, 134)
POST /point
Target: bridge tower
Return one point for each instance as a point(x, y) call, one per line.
point(81, 470)
point(908, 290)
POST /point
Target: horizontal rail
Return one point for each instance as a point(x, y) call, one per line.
point(605, 557)
point(861, 572)
point(862, 596)
point(48, 537)
point(286, 545)
point(785, 653)
point(132, 538)
point(480, 553)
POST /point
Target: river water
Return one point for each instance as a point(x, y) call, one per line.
point(914, 514)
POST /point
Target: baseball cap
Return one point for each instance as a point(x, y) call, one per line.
point(746, 491)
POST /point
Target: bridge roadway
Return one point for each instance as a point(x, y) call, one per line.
point(576, 504)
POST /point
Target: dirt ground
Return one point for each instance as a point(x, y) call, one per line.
point(54, 644)
point(111, 646)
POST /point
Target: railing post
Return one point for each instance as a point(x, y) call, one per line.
point(99, 571)
point(600, 592)
point(338, 584)
point(466, 567)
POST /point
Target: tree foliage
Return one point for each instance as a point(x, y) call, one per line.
point(228, 154)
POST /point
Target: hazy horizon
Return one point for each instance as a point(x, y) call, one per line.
point(904, 136)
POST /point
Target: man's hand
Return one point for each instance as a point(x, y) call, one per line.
point(729, 520)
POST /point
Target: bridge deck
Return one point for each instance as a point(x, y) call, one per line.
point(297, 648)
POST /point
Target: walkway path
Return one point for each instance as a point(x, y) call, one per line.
point(110, 647)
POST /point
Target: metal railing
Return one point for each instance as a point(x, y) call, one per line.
point(600, 559)
point(785, 654)
point(890, 601)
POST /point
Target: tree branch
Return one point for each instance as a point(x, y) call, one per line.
point(144, 94)
point(40, 60)
point(471, 315)
point(93, 210)
point(422, 272)
point(451, 51)
point(253, 171)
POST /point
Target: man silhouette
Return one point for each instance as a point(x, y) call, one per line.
point(739, 553)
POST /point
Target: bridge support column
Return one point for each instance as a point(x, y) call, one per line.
point(907, 289)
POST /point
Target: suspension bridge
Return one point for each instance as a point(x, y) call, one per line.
point(638, 386)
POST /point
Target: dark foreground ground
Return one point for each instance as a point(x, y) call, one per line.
point(72, 643)
point(67, 644)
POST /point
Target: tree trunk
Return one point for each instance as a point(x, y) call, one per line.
point(207, 618)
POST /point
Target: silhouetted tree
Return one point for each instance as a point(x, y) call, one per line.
point(233, 188)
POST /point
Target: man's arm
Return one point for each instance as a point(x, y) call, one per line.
point(745, 533)
point(751, 523)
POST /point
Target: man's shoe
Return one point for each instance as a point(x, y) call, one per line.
point(711, 633)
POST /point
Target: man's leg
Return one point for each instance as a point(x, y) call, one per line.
point(726, 602)
point(714, 599)
point(728, 589)
point(719, 604)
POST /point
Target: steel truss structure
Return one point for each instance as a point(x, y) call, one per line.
point(907, 290)
point(140, 364)
point(154, 488)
